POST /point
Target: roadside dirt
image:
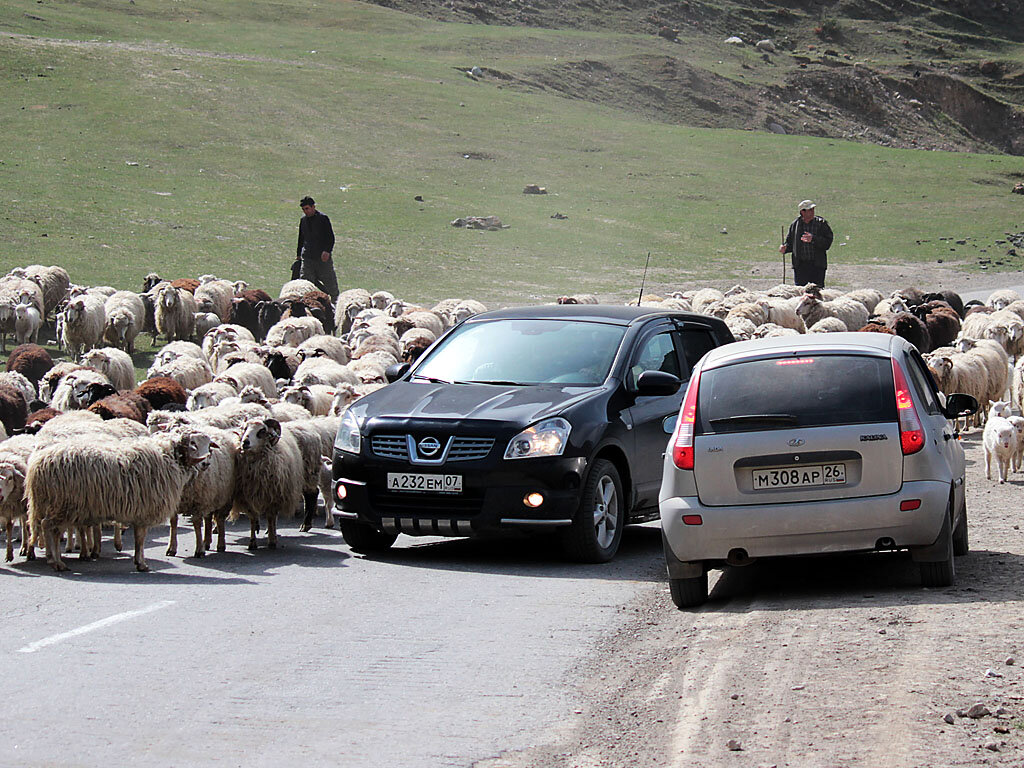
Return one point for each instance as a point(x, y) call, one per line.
point(843, 661)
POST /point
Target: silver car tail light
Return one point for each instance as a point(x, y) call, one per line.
point(682, 441)
point(911, 431)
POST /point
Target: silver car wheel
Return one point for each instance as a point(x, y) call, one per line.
point(606, 511)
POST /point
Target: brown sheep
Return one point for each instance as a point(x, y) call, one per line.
point(31, 361)
point(122, 405)
point(162, 391)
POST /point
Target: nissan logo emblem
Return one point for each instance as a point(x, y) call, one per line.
point(796, 441)
point(429, 446)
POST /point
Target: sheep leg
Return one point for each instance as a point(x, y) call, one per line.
point(118, 543)
point(221, 532)
point(139, 534)
point(197, 524)
point(70, 544)
point(309, 497)
point(208, 532)
point(83, 542)
point(172, 542)
point(9, 557)
point(254, 528)
point(271, 531)
point(26, 537)
point(53, 548)
point(988, 465)
point(97, 542)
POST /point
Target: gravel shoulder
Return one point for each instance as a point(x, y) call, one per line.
point(815, 662)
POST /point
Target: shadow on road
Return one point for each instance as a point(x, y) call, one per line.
point(640, 556)
point(886, 578)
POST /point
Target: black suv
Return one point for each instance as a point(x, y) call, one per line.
point(536, 418)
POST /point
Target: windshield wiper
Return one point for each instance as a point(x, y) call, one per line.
point(431, 379)
point(495, 382)
point(784, 418)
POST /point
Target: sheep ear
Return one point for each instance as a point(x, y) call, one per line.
point(275, 428)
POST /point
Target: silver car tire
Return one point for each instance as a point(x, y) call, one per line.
point(943, 572)
point(689, 593)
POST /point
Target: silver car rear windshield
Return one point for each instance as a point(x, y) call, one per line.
point(808, 391)
point(563, 352)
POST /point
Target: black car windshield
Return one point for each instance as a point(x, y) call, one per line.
point(525, 352)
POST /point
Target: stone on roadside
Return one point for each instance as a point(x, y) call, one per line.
point(948, 717)
point(734, 745)
point(534, 189)
point(992, 746)
point(992, 673)
point(977, 710)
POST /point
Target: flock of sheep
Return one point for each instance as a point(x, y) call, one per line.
point(239, 411)
point(237, 415)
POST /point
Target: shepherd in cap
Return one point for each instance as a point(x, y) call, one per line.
point(808, 240)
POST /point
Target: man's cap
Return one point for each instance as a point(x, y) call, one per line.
point(806, 205)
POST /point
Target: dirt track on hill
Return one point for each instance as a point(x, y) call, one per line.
point(842, 661)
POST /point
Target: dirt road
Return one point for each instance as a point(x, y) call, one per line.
point(816, 662)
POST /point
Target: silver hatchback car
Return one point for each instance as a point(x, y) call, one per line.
point(825, 443)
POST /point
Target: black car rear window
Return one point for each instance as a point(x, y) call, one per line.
point(808, 391)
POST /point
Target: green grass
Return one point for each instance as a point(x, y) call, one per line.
point(178, 138)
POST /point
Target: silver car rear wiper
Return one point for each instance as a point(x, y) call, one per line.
point(785, 418)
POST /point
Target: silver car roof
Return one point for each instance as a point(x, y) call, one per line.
point(857, 342)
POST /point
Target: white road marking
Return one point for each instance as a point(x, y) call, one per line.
point(54, 639)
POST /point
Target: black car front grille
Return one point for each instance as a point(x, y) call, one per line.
point(429, 505)
point(462, 448)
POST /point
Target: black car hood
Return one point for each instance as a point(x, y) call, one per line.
point(517, 405)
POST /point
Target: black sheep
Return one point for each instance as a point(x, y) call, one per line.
point(912, 329)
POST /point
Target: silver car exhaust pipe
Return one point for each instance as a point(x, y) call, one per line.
point(739, 556)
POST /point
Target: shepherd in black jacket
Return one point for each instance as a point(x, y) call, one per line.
point(808, 240)
point(313, 253)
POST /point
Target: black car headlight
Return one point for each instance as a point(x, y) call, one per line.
point(545, 438)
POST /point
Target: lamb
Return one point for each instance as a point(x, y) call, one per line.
point(269, 477)
point(812, 309)
point(27, 322)
point(14, 456)
point(82, 322)
point(243, 374)
point(381, 299)
point(30, 360)
point(114, 364)
point(1018, 454)
point(162, 392)
point(209, 494)
point(1000, 441)
point(175, 313)
point(324, 346)
point(215, 296)
point(294, 331)
point(124, 319)
point(135, 481)
point(323, 370)
point(1017, 385)
point(53, 281)
point(188, 371)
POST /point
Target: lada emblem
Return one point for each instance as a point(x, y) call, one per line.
point(796, 441)
point(428, 446)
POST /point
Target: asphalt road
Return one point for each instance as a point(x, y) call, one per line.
point(440, 654)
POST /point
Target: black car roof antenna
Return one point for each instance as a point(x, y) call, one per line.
point(644, 279)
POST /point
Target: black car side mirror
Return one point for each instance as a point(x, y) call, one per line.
point(657, 383)
point(960, 405)
point(396, 371)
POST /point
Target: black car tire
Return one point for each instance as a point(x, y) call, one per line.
point(961, 544)
point(689, 593)
point(365, 539)
point(596, 530)
point(943, 572)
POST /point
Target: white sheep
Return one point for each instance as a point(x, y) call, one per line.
point(27, 322)
point(1000, 441)
point(368, 370)
point(349, 304)
point(292, 331)
point(704, 298)
point(829, 325)
point(225, 332)
point(124, 319)
point(381, 299)
point(64, 395)
point(82, 322)
point(1002, 298)
point(136, 481)
point(214, 296)
point(296, 289)
point(1018, 454)
point(323, 370)
point(21, 383)
point(190, 372)
point(315, 398)
point(204, 322)
point(175, 313)
point(54, 283)
point(177, 349)
point(869, 297)
point(742, 329)
point(812, 309)
point(209, 395)
point(465, 310)
point(113, 363)
point(755, 312)
point(324, 346)
point(226, 353)
point(269, 476)
point(241, 375)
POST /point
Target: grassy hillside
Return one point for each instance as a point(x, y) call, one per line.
point(178, 138)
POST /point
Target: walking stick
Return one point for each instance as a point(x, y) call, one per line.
point(782, 231)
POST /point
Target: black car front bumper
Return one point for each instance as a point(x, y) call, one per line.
point(492, 497)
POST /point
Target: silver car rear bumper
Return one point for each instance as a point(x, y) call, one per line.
point(814, 527)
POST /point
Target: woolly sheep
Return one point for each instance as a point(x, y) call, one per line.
point(162, 392)
point(204, 322)
point(368, 371)
point(226, 353)
point(1000, 441)
point(869, 297)
point(293, 331)
point(30, 360)
point(828, 325)
point(322, 370)
point(243, 374)
point(53, 281)
point(188, 371)
point(136, 481)
point(1018, 454)
point(771, 330)
point(224, 332)
point(209, 395)
point(307, 438)
point(82, 322)
point(177, 349)
point(349, 304)
point(175, 313)
point(124, 319)
point(114, 364)
point(269, 477)
point(752, 311)
point(811, 310)
point(466, 309)
point(215, 296)
point(63, 396)
point(21, 383)
point(742, 329)
point(27, 322)
point(381, 299)
point(315, 398)
point(1002, 298)
point(296, 289)
point(324, 346)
